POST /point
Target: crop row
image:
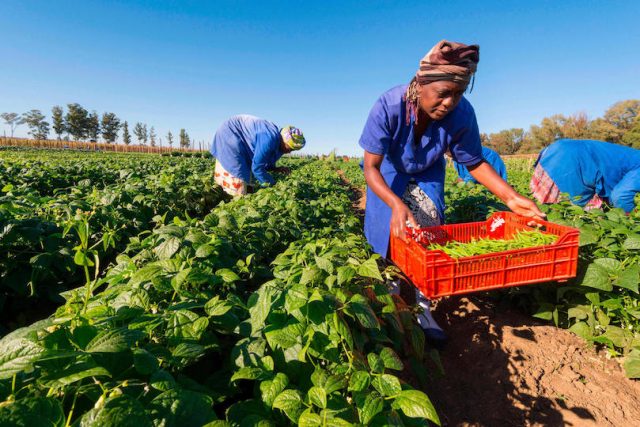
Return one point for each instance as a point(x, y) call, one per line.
point(270, 310)
point(45, 236)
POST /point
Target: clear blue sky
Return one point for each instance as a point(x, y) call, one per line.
point(318, 65)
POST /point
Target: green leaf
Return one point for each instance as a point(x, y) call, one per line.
point(369, 268)
point(359, 305)
point(181, 407)
point(317, 396)
point(611, 265)
point(228, 276)
point(216, 307)
point(632, 364)
point(373, 405)
point(597, 277)
point(120, 410)
point(260, 310)
point(309, 419)
point(582, 330)
point(335, 383)
point(114, 340)
point(296, 297)
point(32, 412)
point(249, 373)
point(144, 362)
point(270, 389)
point(311, 274)
point(17, 355)
point(359, 381)
point(391, 360)
point(345, 274)
point(81, 258)
point(387, 385)
point(324, 264)
point(290, 402)
point(416, 404)
point(204, 251)
point(166, 249)
point(146, 274)
point(629, 278)
point(375, 363)
point(588, 236)
point(632, 242)
point(545, 311)
point(73, 374)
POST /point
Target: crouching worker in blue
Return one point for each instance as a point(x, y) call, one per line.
point(490, 157)
point(247, 147)
point(591, 172)
point(407, 133)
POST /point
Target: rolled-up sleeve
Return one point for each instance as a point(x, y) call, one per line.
point(376, 137)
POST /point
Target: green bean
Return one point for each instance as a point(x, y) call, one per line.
point(521, 240)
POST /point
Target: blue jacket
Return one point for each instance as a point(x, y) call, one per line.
point(386, 133)
point(247, 145)
point(583, 168)
point(490, 157)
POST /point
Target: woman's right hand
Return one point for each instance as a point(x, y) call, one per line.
point(400, 214)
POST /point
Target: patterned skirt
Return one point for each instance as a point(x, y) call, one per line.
point(546, 191)
point(421, 206)
point(229, 183)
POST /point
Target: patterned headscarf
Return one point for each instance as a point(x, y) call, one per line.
point(447, 60)
point(293, 137)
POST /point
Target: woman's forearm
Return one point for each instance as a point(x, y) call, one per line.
point(377, 184)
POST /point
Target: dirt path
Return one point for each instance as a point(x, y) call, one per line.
point(504, 368)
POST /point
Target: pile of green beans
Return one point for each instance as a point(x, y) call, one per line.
point(522, 239)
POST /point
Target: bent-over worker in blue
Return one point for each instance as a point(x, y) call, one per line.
point(408, 130)
point(489, 156)
point(591, 172)
point(246, 146)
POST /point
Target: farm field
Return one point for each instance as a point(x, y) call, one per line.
point(134, 292)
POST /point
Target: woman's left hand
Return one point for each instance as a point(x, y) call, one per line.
point(525, 207)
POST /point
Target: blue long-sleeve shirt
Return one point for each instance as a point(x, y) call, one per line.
point(490, 157)
point(386, 133)
point(583, 168)
point(246, 145)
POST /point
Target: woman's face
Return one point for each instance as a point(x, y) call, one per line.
point(438, 99)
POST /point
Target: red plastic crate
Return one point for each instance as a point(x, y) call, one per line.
point(436, 274)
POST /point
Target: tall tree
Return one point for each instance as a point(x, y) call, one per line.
point(77, 119)
point(549, 130)
point(169, 138)
point(602, 130)
point(13, 120)
point(632, 136)
point(140, 131)
point(508, 141)
point(110, 127)
point(93, 126)
point(184, 139)
point(38, 126)
point(57, 116)
point(126, 136)
point(623, 114)
point(152, 136)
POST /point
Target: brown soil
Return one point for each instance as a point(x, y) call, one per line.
point(358, 196)
point(503, 368)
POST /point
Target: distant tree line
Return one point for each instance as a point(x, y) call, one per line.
point(81, 125)
point(620, 124)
